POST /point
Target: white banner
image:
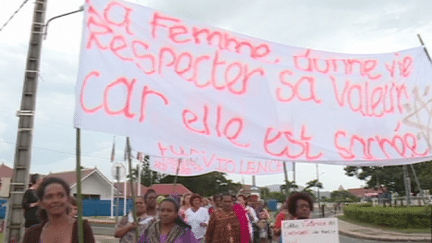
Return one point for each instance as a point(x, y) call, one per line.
point(310, 230)
point(183, 89)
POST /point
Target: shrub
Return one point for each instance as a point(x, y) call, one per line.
point(364, 205)
point(401, 217)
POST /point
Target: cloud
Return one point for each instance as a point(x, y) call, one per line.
point(332, 25)
point(367, 26)
point(99, 158)
point(4, 145)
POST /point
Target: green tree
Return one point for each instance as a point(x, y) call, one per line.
point(265, 193)
point(288, 186)
point(392, 177)
point(313, 183)
point(279, 196)
point(149, 177)
point(310, 185)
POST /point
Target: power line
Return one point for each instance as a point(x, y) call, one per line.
point(58, 151)
point(13, 15)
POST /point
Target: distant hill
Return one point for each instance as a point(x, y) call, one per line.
point(276, 187)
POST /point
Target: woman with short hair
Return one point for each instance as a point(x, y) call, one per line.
point(56, 226)
point(197, 217)
point(126, 229)
point(299, 205)
point(169, 227)
point(184, 205)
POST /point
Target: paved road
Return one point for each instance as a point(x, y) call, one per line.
point(346, 239)
point(102, 229)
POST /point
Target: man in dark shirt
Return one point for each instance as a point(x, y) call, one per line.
point(30, 202)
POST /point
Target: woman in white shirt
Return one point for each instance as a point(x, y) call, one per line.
point(197, 217)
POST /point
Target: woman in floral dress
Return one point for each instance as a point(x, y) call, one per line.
point(228, 224)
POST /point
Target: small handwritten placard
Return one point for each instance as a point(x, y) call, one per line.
point(310, 230)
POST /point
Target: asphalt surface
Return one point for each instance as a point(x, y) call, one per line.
point(104, 229)
point(346, 239)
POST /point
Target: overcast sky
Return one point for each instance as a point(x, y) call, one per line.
point(346, 26)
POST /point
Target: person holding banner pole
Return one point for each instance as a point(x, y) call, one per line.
point(125, 228)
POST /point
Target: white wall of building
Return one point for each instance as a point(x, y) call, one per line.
point(95, 185)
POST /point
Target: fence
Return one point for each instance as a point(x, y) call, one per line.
point(3, 208)
point(91, 207)
point(401, 201)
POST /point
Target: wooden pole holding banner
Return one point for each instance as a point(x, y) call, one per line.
point(418, 184)
point(129, 158)
point(139, 179)
point(78, 179)
point(177, 172)
point(421, 41)
point(294, 172)
point(125, 194)
point(415, 175)
point(286, 178)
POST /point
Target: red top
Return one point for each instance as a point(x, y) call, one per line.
point(281, 216)
point(211, 210)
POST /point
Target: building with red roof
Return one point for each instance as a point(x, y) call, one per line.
point(138, 192)
point(167, 189)
point(365, 192)
point(5, 171)
point(94, 185)
point(6, 174)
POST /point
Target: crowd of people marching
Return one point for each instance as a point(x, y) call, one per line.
point(190, 218)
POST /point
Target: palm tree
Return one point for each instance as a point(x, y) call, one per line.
point(265, 192)
point(288, 186)
point(311, 184)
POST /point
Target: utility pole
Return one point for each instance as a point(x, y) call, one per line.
point(15, 223)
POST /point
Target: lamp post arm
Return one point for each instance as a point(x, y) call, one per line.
point(59, 16)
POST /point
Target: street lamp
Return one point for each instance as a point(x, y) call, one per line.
point(318, 192)
point(59, 16)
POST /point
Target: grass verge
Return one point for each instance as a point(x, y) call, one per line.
point(409, 231)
